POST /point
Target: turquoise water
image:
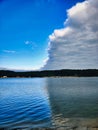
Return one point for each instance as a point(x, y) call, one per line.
point(27, 103)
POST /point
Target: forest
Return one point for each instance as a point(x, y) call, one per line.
point(50, 73)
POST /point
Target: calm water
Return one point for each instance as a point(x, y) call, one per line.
point(27, 103)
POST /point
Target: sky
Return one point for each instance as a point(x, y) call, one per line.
point(48, 34)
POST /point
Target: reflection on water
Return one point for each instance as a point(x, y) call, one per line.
point(74, 97)
point(24, 103)
point(27, 103)
point(74, 101)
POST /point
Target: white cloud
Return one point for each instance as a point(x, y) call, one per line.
point(27, 42)
point(9, 51)
point(76, 45)
point(31, 43)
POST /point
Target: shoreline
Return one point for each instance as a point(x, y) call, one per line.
point(49, 77)
point(78, 124)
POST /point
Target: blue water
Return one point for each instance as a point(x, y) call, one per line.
point(24, 103)
point(27, 103)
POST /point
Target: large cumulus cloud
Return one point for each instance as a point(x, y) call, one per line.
point(76, 45)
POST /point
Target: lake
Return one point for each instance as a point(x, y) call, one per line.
point(28, 103)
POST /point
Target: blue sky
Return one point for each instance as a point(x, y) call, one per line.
point(25, 27)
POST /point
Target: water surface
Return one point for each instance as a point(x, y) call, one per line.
point(27, 103)
point(24, 103)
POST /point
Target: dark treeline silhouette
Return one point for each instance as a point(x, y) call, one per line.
point(50, 73)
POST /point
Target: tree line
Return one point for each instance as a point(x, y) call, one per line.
point(50, 73)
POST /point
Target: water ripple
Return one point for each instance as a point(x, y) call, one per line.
point(24, 111)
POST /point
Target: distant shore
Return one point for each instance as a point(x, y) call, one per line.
point(50, 73)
